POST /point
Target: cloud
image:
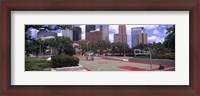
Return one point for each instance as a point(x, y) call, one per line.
point(155, 39)
point(156, 32)
point(165, 31)
point(113, 29)
point(152, 38)
point(161, 40)
point(151, 26)
point(59, 34)
point(111, 38)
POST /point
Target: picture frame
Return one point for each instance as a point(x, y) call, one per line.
point(102, 5)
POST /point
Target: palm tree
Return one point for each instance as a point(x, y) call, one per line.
point(170, 39)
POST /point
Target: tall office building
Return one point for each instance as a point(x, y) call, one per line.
point(94, 36)
point(142, 38)
point(67, 33)
point(134, 35)
point(76, 33)
point(105, 32)
point(116, 38)
point(89, 28)
point(122, 34)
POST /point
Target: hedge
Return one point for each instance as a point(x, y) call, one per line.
point(36, 64)
point(64, 61)
point(164, 56)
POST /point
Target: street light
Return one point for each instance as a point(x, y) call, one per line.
point(150, 58)
point(123, 43)
point(90, 47)
point(87, 45)
point(124, 50)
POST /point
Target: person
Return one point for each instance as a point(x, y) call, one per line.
point(161, 67)
point(92, 57)
point(86, 57)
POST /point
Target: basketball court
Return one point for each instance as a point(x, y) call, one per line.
point(105, 64)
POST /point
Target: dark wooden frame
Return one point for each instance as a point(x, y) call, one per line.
point(98, 5)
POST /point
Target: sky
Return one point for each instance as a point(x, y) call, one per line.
point(155, 33)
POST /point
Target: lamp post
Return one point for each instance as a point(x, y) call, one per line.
point(150, 59)
point(123, 43)
point(124, 50)
point(90, 47)
point(87, 45)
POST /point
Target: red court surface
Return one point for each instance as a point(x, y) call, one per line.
point(131, 68)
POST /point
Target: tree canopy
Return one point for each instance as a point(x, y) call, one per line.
point(61, 44)
point(170, 39)
point(47, 27)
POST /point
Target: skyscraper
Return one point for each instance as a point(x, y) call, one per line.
point(142, 38)
point(138, 36)
point(105, 32)
point(89, 28)
point(76, 33)
point(122, 34)
point(116, 38)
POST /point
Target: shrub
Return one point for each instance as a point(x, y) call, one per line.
point(36, 64)
point(64, 61)
point(164, 56)
point(69, 50)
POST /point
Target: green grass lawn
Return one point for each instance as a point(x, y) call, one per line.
point(36, 64)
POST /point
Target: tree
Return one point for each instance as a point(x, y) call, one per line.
point(119, 47)
point(32, 47)
point(170, 38)
point(62, 45)
point(38, 27)
point(101, 46)
point(47, 27)
point(83, 47)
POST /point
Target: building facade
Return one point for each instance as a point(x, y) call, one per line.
point(138, 36)
point(31, 33)
point(116, 38)
point(76, 33)
point(46, 34)
point(134, 34)
point(67, 33)
point(94, 36)
point(142, 38)
point(105, 32)
point(89, 28)
point(122, 34)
